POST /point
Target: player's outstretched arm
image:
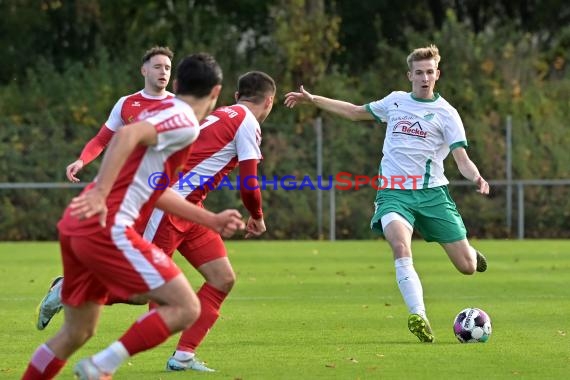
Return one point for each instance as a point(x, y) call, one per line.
point(338, 107)
point(469, 170)
point(225, 223)
point(303, 96)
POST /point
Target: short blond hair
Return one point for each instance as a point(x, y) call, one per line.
point(421, 54)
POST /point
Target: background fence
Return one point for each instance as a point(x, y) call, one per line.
point(328, 215)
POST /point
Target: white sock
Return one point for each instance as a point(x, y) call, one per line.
point(410, 286)
point(183, 355)
point(111, 357)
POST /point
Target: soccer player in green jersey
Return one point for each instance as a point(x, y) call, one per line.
point(422, 128)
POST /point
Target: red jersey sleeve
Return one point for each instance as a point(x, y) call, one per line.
point(96, 145)
point(249, 188)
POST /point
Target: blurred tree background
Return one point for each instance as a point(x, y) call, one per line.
point(66, 62)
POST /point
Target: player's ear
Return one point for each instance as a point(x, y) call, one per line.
point(410, 76)
point(269, 101)
point(143, 70)
point(215, 92)
point(236, 96)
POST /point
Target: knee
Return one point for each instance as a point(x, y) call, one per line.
point(463, 256)
point(224, 282)
point(227, 282)
point(400, 249)
point(188, 313)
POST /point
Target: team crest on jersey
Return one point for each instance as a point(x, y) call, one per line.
point(406, 127)
point(428, 116)
point(136, 103)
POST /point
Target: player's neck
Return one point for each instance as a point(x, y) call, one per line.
point(200, 106)
point(255, 109)
point(425, 97)
point(154, 92)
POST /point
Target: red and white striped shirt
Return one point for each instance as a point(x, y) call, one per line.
point(128, 108)
point(125, 111)
point(133, 195)
point(229, 135)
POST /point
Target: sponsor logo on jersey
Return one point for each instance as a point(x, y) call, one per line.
point(405, 127)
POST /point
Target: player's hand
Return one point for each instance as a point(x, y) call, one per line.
point(90, 203)
point(228, 222)
point(303, 96)
point(73, 169)
point(482, 185)
point(255, 227)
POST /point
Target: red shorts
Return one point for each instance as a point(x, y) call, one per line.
point(197, 243)
point(120, 262)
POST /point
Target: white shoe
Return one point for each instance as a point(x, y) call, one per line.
point(87, 370)
point(50, 304)
point(183, 365)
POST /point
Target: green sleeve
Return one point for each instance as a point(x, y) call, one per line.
point(462, 144)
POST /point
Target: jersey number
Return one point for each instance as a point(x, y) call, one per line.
point(210, 119)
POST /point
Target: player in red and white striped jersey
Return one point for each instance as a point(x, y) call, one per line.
point(101, 251)
point(156, 69)
point(229, 137)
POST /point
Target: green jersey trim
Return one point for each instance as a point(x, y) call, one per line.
point(435, 97)
point(367, 107)
point(462, 144)
point(427, 175)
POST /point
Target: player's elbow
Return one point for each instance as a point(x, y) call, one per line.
point(352, 114)
point(357, 113)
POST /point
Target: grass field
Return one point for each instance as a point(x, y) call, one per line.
point(320, 310)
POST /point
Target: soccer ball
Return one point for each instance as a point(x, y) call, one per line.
point(472, 325)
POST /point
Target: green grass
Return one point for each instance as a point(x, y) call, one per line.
point(320, 310)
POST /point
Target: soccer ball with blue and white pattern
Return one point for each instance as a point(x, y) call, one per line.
point(472, 325)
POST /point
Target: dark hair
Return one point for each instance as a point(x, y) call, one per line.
point(157, 50)
point(254, 86)
point(197, 74)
